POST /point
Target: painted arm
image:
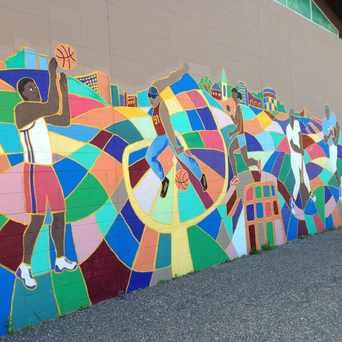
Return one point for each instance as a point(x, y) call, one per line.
point(28, 112)
point(295, 147)
point(171, 78)
point(62, 119)
point(165, 119)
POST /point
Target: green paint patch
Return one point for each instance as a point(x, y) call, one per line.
point(163, 208)
point(78, 88)
point(41, 252)
point(3, 221)
point(126, 130)
point(189, 204)
point(71, 293)
point(8, 102)
point(269, 233)
point(193, 140)
point(285, 168)
point(241, 165)
point(310, 224)
point(204, 250)
point(86, 156)
point(86, 199)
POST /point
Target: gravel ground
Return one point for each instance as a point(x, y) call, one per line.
point(292, 293)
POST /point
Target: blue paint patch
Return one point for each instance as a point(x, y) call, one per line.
point(329, 223)
point(207, 118)
point(6, 288)
point(69, 174)
point(115, 147)
point(184, 84)
point(133, 221)
point(139, 280)
point(250, 212)
point(122, 241)
point(41, 77)
point(15, 159)
point(195, 120)
point(271, 161)
point(9, 138)
point(259, 210)
point(32, 307)
point(164, 251)
point(136, 155)
point(70, 251)
point(252, 143)
point(211, 224)
point(292, 231)
point(77, 132)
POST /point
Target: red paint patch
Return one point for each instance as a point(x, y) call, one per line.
point(11, 244)
point(104, 274)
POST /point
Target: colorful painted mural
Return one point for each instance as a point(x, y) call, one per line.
point(103, 193)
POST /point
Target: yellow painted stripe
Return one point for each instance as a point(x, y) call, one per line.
point(181, 257)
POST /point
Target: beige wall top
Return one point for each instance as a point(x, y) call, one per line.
point(258, 42)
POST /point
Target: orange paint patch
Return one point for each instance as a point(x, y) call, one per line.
point(214, 180)
point(108, 171)
point(185, 101)
point(252, 127)
point(337, 217)
point(4, 86)
point(100, 118)
point(166, 160)
point(315, 183)
point(145, 259)
point(4, 163)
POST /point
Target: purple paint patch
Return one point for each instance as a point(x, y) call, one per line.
point(214, 159)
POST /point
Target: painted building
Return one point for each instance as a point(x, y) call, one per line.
point(27, 58)
point(99, 82)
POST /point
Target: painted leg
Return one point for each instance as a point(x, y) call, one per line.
point(58, 236)
point(158, 145)
point(24, 271)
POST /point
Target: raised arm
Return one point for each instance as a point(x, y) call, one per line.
point(27, 111)
point(63, 116)
point(171, 78)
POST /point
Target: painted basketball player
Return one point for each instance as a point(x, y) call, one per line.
point(41, 185)
point(239, 139)
point(165, 134)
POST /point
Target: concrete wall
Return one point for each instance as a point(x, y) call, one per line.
point(258, 42)
point(120, 232)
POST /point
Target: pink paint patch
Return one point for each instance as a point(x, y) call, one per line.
point(315, 151)
point(212, 140)
point(249, 194)
point(79, 105)
point(197, 99)
point(231, 252)
point(319, 224)
point(280, 237)
point(284, 146)
point(330, 206)
point(12, 194)
point(87, 237)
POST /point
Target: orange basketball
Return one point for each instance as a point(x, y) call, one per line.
point(182, 179)
point(66, 56)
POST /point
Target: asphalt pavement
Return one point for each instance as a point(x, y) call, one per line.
point(291, 293)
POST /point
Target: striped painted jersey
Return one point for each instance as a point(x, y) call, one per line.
point(36, 143)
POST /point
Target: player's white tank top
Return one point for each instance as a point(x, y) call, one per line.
point(36, 143)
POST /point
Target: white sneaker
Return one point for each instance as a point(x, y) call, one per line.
point(25, 274)
point(64, 263)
